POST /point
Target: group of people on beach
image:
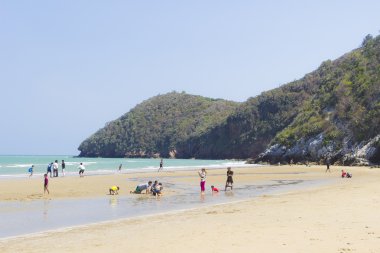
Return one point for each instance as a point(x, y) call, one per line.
point(54, 166)
point(149, 188)
point(154, 189)
point(229, 182)
point(51, 166)
point(346, 174)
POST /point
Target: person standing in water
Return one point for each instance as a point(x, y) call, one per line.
point(202, 174)
point(161, 165)
point(230, 180)
point(121, 165)
point(63, 167)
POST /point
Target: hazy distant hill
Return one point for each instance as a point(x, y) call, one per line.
point(333, 112)
point(154, 127)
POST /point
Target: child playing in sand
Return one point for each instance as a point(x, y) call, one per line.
point(114, 190)
point(157, 190)
point(214, 189)
point(346, 174)
point(46, 184)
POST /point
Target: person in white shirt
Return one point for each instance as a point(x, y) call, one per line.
point(143, 188)
point(81, 169)
point(55, 168)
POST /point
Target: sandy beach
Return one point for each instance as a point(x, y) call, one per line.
point(341, 216)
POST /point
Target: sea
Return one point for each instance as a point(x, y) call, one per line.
point(18, 165)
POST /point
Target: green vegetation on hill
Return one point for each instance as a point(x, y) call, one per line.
point(155, 126)
point(347, 101)
point(338, 105)
point(340, 100)
point(249, 129)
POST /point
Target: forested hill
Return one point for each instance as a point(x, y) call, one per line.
point(154, 127)
point(331, 113)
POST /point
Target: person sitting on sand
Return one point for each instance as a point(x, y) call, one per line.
point(344, 174)
point(114, 190)
point(349, 175)
point(141, 187)
point(214, 189)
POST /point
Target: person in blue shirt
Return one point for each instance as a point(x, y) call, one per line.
point(49, 169)
point(30, 170)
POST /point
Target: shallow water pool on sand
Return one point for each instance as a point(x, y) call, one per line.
point(25, 217)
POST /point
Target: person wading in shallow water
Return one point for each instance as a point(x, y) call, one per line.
point(230, 180)
point(202, 174)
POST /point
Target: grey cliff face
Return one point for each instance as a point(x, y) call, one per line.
point(314, 149)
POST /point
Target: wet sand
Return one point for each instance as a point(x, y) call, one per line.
point(340, 217)
point(23, 189)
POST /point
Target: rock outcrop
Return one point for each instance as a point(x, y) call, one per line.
point(314, 150)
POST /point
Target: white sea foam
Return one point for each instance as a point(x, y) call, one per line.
point(18, 165)
point(77, 163)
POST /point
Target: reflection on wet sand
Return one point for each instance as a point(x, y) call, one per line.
point(114, 201)
point(45, 209)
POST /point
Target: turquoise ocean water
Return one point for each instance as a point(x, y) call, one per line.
point(17, 166)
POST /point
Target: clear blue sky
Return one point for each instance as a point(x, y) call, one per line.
point(68, 67)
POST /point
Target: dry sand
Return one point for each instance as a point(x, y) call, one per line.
point(341, 217)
